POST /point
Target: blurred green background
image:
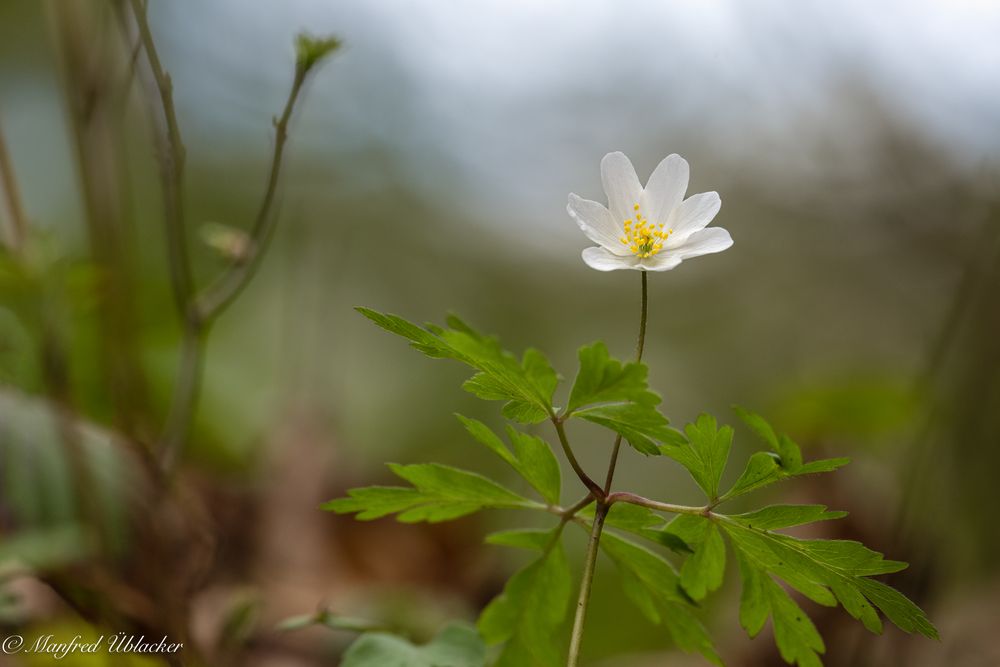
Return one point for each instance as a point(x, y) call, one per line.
point(855, 148)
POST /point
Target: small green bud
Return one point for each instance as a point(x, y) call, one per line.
point(309, 49)
point(230, 243)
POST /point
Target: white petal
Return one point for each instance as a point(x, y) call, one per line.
point(704, 242)
point(602, 260)
point(620, 184)
point(693, 214)
point(597, 223)
point(661, 262)
point(665, 188)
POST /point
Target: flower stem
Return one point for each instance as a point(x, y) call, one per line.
point(576, 639)
point(601, 512)
point(639, 345)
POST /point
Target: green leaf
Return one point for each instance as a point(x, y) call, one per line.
point(789, 453)
point(602, 379)
point(529, 612)
point(758, 425)
point(439, 493)
point(528, 538)
point(653, 585)
point(754, 604)
point(640, 521)
point(309, 49)
point(764, 468)
point(537, 464)
point(48, 548)
point(327, 619)
point(616, 396)
point(458, 645)
point(795, 635)
point(827, 571)
point(703, 571)
point(640, 425)
point(689, 529)
point(375, 502)
point(526, 385)
point(822, 465)
point(448, 482)
point(785, 516)
point(626, 516)
point(540, 372)
point(532, 457)
point(898, 608)
point(704, 453)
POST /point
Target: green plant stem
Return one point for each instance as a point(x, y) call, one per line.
point(626, 497)
point(601, 495)
point(8, 184)
point(567, 514)
point(187, 387)
point(172, 155)
point(595, 489)
point(218, 295)
point(199, 309)
point(589, 565)
point(639, 345)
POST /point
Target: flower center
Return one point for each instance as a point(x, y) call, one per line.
point(643, 237)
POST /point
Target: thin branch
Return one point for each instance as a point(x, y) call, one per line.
point(626, 497)
point(172, 157)
point(217, 296)
point(199, 310)
point(570, 512)
point(8, 181)
point(187, 388)
point(595, 489)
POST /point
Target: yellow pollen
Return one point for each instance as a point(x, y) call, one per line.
point(635, 208)
point(644, 238)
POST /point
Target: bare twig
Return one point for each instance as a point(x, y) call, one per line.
point(172, 157)
point(199, 310)
point(217, 296)
point(18, 226)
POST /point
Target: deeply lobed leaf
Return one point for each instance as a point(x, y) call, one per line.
point(526, 617)
point(532, 457)
point(602, 379)
point(653, 585)
point(704, 453)
point(784, 461)
point(641, 425)
point(826, 571)
point(458, 645)
point(526, 386)
point(702, 572)
point(785, 516)
point(439, 493)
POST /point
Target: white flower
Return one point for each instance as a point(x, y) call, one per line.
point(647, 229)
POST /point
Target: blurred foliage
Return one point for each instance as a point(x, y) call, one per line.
point(858, 307)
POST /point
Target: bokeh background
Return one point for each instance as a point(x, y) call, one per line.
point(855, 148)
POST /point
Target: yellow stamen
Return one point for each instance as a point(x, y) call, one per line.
point(644, 238)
